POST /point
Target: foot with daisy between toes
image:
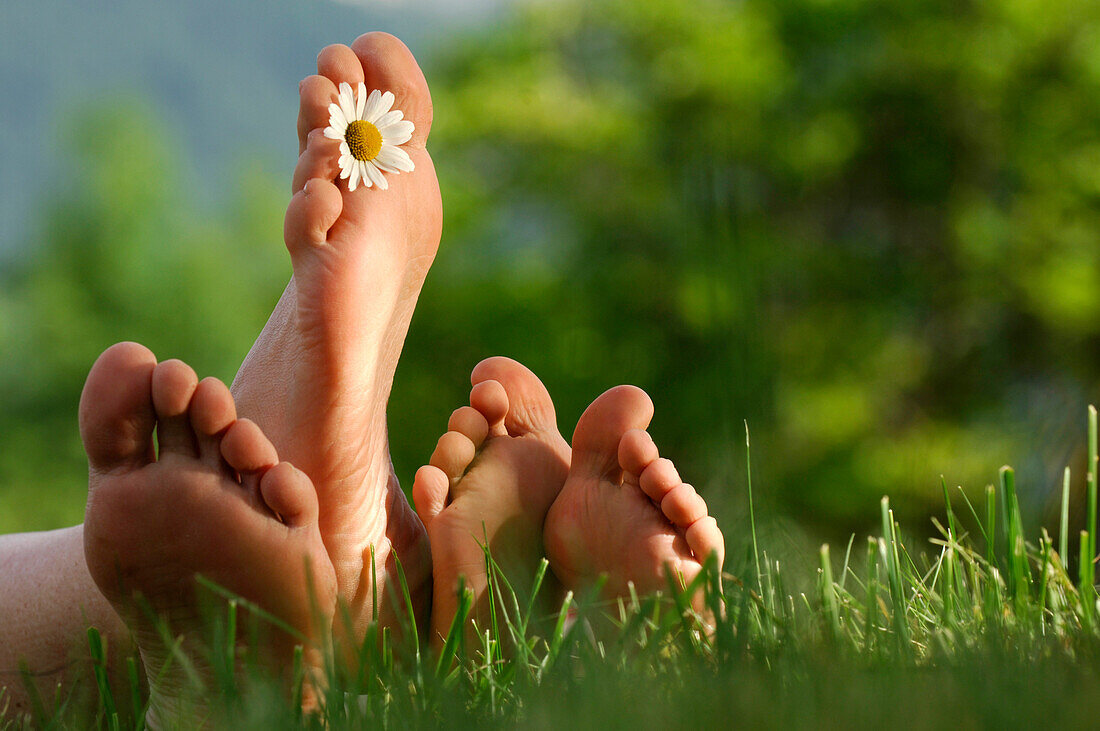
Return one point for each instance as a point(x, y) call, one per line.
point(362, 229)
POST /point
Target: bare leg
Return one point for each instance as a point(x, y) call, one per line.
point(47, 602)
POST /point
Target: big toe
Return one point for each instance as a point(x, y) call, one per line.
point(530, 407)
point(116, 408)
point(604, 423)
point(388, 65)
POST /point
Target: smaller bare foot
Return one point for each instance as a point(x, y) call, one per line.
point(491, 479)
point(624, 512)
point(214, 500)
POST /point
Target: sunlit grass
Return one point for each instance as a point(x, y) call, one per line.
point(983, 624)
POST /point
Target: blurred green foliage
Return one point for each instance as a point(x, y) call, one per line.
point(868, 228)
point(124, 254)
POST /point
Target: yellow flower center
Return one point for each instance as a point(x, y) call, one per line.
point(364, 140)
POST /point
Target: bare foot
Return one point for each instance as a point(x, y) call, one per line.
point(215, 501)
point(492, 478)
point(318, 378)
point(623, 511)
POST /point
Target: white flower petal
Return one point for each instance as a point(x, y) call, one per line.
point(396, 158)
point(388, 118)
point(406, 160)
point(384, 164)
point(374, 106)
point(333, 134)
point(353, 179)
point(396, 128)
point(396, 141)
point(376, 176)
point(347, 101)
point(387, 102)
point(344, 149)
point(397, 134)
point(361, 101)
point(336, 115)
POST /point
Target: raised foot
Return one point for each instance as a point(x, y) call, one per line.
point(490, 481)
point(317, 380)
point(624, 512)
point(212, 501)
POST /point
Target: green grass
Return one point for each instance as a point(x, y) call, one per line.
point(983, 626)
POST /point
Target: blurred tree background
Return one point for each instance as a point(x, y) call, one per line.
point(868, 228)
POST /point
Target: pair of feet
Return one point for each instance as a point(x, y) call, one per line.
point(316, 383)
point(503, 476)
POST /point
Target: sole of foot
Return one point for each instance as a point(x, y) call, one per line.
point(490, 482)
point(209, 498)
point(624, 512)
point(318, 378)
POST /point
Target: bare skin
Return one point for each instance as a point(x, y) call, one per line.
point(491, 479)
point(624, 512)
point(215, 501)
point(318, 378)
point(48, 600)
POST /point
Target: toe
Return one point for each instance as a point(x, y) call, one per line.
point(658, 478)
point(289, 493)
point(173, 385)
point(637, 451)
point(530, 407)
point(315, 93)
point(339, 63)
point(389, 65)
point(429, 492)
point(472, 423)
point(311, 213)
point(491, 400)
point(683, 505)
point(604, 423)
point(453, 453)
point(212, 412)
point(319, 160)
point(248, 451)
point(684, 568)
point(116, 408)
point(704, 537)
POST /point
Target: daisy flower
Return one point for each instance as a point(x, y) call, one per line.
point(370, 134)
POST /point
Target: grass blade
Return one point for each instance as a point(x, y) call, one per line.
point(752, 514)
point(99, 669)
point(1091, 525)
point(828, 594)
